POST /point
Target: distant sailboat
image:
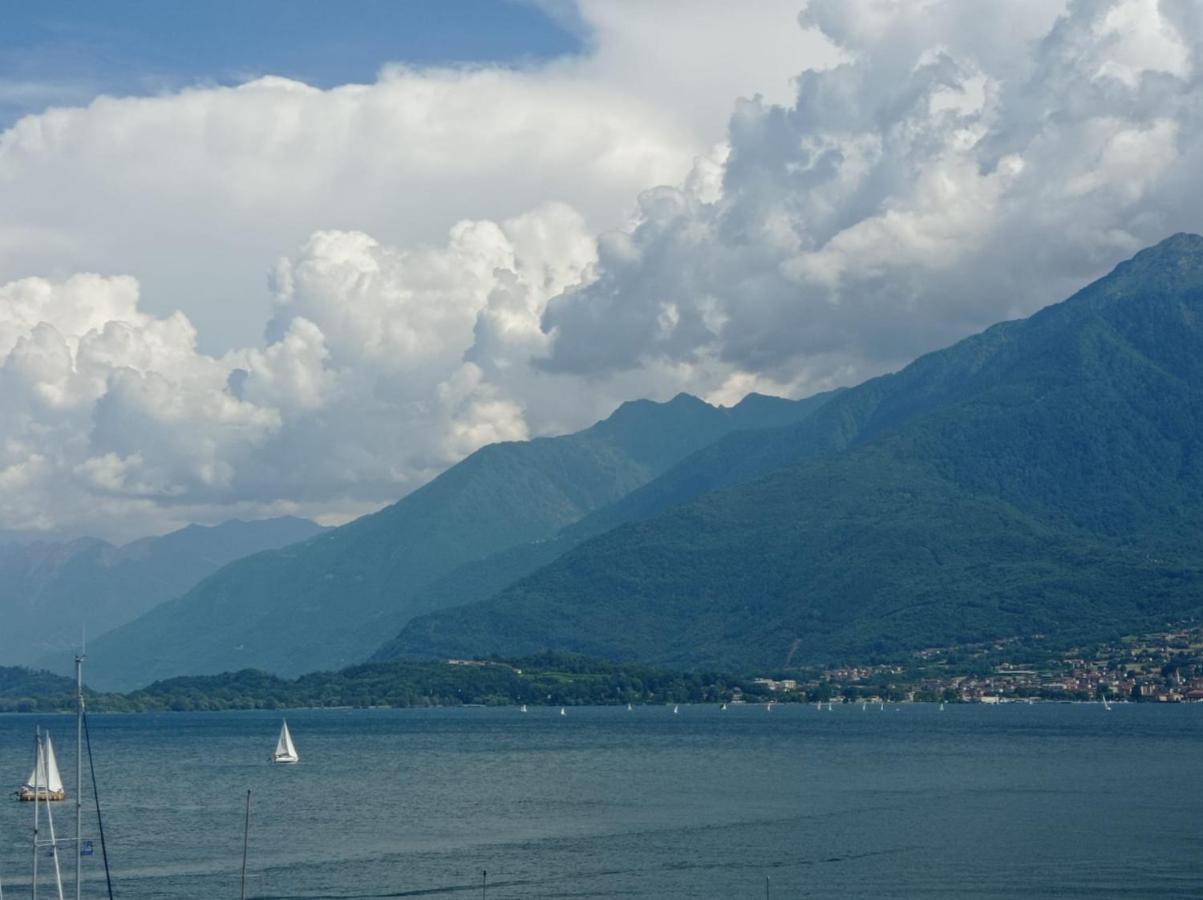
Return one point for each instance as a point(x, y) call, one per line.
point(724, 706)
point(1106, 705)
point(285, 751)
point(524, 707)
point(628, 707)
point(941, 706)
point(563, 711)
point(44, 782)
point(676, 709)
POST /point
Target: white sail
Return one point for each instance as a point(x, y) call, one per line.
point(285, 751)
point(45, 775)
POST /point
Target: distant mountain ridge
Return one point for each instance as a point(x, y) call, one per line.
point(1042, 477)
point(332, 600)
point(50, 591)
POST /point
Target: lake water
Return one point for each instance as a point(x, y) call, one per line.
point(1052, 800)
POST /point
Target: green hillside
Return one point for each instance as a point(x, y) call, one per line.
point(482, 578)
point(330, 601)
point(29, 690)
point(555, 679)
point(1043, 477)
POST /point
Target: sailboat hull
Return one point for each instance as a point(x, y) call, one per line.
point(28, 795)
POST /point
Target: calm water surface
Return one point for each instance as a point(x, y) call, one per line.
point(1014, 801)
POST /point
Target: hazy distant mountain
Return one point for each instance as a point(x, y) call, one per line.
point(1044, 477)
point(49, 591)
point(332, 600)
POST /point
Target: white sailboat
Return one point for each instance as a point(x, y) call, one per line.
point(285, 751)
point(676, 709)
point(724, 706)
point(44, 782)
point(563, 711)
point(628, 707)
point(524, 707)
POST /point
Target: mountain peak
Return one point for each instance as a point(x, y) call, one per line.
point(1172, 265)
point(637, 413)
point(682, 399)
point(1182, 244)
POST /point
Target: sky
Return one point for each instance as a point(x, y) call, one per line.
point(66, 52)
point(274, 258)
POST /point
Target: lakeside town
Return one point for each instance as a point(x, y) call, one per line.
point(1161, 667)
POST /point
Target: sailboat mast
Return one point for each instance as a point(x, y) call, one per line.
point(246, 837)
point(58, 874)
point(79, 768)
point(37, 759)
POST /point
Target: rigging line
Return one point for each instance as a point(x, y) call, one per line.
point(99, 821)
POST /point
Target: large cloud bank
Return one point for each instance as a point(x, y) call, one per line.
point(961, 164)
point(967, 163)
point(197, 192)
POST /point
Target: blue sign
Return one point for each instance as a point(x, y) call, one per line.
point(86, 849)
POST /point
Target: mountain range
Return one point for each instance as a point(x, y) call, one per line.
point(1042, 479)
point(332, 600)
point(51, 591)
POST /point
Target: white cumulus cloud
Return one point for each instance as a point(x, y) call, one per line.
point(964, 163)
point(481, 254)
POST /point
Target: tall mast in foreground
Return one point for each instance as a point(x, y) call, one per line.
point(44, 770)
point(37, 777)
point(246, 838)
point(79, 767)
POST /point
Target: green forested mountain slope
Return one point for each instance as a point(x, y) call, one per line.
point(51, 591)
point(480, 579)
point(1043, 477)
point(332, 600)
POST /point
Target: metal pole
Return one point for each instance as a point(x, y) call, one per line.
point(79, 770)
point(104, 851)
point(246, 836)
point(58, 874)
point(37, 750)
point(766, 888)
